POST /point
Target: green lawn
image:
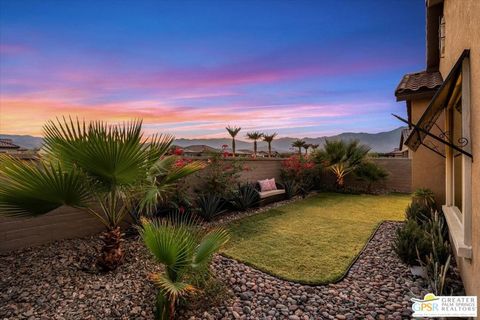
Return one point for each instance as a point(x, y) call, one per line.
point(315, 240)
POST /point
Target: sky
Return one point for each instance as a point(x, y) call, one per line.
point(189, 68)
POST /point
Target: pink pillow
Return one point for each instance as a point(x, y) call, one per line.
point(267, 185)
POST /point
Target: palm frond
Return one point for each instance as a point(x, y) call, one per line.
point(233, 131)
point(210, 244)
point(30, 190)
point(173, 289)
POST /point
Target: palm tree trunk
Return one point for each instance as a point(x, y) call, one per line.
point(254, 148)
point(300, 150)
point(233, 146)
point(340, 182)
point(112, 254)
point(269, 149)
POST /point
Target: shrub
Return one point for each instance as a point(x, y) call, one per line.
point(301, 171)
point(370, 173)
point(418, 213)
point(425, 197)
point(437, 233)
point(210, 206)
point(245, 197)
point(411, 243)
point(185, 251)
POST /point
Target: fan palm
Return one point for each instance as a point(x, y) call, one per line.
point(184, 251)
point(255, 135)
point(299, 144)
point(314, 146)
point(342, 157)
point(233, 131)
point(306, 147)
point(100, 168)
point(268, 138)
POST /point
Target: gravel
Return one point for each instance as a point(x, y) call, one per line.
point(55, 282)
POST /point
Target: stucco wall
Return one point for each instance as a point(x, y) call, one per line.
point(462, 31)
point(428, 168)
point(65, 223)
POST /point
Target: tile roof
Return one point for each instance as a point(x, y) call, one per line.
point(7, 144)
point(419, 82)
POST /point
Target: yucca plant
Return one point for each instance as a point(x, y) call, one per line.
point(100, 168)
point(245, 197)
point(233, 131)
point(210, 206)
point(425, 197)
point(268, 138)
point(342, 158)
point(418, 213)
point(255, 135)
point(185, 251)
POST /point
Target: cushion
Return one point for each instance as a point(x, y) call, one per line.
point(267, 185)
point(270, 193)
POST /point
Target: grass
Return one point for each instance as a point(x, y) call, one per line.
point(312, 241)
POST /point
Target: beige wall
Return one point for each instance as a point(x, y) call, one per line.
point(65, 223)
point(462, 31)
point(428, 168)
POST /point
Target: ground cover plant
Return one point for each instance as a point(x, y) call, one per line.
point(312, 240)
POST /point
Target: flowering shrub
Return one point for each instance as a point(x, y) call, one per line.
point(299, 170)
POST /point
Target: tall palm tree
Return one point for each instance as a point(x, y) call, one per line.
point(298, 144)
point(314, 146)
point(184, 251)
point(233, 133)
point(268, 138)
point(255, 135)
point(342, 157)
point(100, 168)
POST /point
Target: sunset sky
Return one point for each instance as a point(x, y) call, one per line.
point(300, 68)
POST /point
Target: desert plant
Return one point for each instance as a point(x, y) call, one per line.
point(185, 251)
point(291, 188)
point(306, 146)
point(245, 197)
point(418, 213)
point(370, 173)
point(437, 233)
point(100, 168)
point(209, 206)
point(341, 158)
point(299, 144)
point(425, 197)
point(233, 131)
point(255, 135)
point(411, 243)
point(268, 138)
point(437, 273)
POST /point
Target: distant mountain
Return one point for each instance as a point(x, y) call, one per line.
point(379, 142)
point(28, 142)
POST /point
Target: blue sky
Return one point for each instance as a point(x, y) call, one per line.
point(299, 68)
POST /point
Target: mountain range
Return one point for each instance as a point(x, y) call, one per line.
point(379, 142)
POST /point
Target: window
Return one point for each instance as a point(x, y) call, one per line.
point(441, 36)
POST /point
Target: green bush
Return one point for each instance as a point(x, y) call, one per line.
point(411, 242)
point(210, 206)
point(418, 213)
point(291, 188)
point(245, 197)
point(370, 173)
point(425, 197)
point(437, 233)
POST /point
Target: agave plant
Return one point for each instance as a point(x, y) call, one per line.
point(245, 197)
point(100, 168)
point(184, 250)
point(342, 158)
point(299, 144)
point(268, 138)
point(210, 206)
point(233, 131)
point(255, 135)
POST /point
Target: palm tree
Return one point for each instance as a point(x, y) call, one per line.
point(298, 144)
point(255, 135)
point(103, 169)
point(185, 251)
point(233, 133)
point(314, 146)
point(268, 138)
point(342, 157)
point(306, 146)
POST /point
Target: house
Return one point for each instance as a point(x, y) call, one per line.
point(7, 146)
point(443, 107)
